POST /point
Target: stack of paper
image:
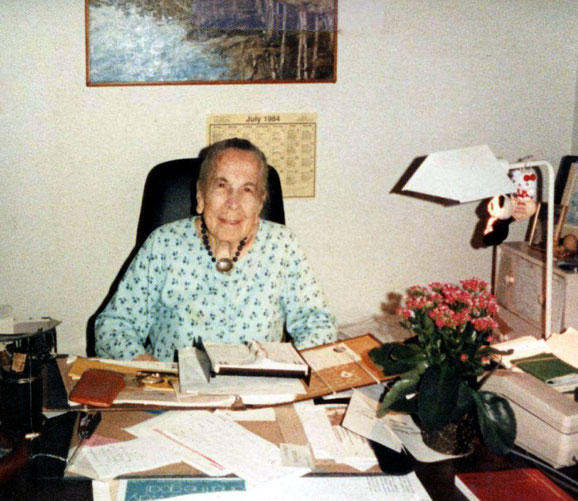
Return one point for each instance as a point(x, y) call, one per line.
point(334, 442)
point(211, 443)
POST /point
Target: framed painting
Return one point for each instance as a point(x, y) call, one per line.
point(159, 42)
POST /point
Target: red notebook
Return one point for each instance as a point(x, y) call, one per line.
point(526, 484)
point(97, 387)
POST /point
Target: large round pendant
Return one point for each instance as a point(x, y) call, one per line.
point(224, 265)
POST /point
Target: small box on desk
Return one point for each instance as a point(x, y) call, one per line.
point(547, 420)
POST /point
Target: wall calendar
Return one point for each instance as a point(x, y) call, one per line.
point(288, 140)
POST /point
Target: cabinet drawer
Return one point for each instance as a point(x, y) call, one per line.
point(519, 289)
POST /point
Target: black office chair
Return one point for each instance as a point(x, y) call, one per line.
point(169, 195)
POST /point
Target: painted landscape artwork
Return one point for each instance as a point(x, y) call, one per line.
point(139, 42)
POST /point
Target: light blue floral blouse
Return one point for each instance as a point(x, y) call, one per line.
point(172, 294)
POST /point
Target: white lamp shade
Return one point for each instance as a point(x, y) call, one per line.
point(464, 175)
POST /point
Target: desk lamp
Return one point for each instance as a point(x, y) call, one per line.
point(474, 173)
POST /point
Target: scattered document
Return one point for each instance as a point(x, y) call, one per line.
point(320, 488)
point(221, 441)
point(158, 427)
point(525, 346)
point(565, 346)
point(297, 456)
point(361, 418)
point(410, 435)
point(263, 414)
point(332, 488)
point(395, 430)
point(532, 355)
point(192, 456)
point(318, 430)
point(325, 488)
point(110, 461)
point(334, 442)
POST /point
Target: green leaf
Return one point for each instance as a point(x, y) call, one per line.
point(408, 405)
point(464, 402)
point(497, 421)
point(406, 385)
point(396, 358)
point(438, 394)
point(428, 325)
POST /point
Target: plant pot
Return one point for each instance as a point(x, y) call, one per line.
point(454, 438)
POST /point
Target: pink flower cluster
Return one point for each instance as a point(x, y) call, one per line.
point(452, 306)
point(444, 316)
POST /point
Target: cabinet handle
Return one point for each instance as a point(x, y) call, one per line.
point(509, 279)
point(541, 300)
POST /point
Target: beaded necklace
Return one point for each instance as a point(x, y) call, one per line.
point(224, 264)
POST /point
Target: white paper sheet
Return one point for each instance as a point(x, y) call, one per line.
point(264, 414)
point(394, 429)
point(565, 346)
point(410, 435)
point(361, 418)
point(318, 430)
point(333, 441)
point(228, 443)
point(110, 461)
point(297, 456)
point(525, 346)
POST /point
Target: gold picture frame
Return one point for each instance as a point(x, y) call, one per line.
point(151, 42)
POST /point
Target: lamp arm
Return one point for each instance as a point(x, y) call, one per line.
point(549, 238)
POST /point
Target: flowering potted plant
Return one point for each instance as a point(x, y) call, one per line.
point(440, 368)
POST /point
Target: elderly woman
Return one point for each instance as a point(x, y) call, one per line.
point(224, 276)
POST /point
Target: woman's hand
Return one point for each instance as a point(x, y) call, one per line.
point(146, 357)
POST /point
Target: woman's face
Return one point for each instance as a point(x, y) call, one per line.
point(232, 198)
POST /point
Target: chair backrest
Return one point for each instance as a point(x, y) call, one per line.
point(170, 194)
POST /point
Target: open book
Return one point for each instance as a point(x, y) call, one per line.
point(257, 358)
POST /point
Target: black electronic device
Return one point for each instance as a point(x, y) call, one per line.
point(568, 266)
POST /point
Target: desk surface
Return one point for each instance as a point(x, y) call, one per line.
point(437, 478)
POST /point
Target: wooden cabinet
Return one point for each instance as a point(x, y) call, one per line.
point(519, 287)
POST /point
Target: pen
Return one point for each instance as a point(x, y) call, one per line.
point(86, 427)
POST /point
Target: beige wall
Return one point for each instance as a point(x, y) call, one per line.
point(414, 76)
point(575, 134)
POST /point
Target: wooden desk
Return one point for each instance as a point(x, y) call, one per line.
point(438, 478)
